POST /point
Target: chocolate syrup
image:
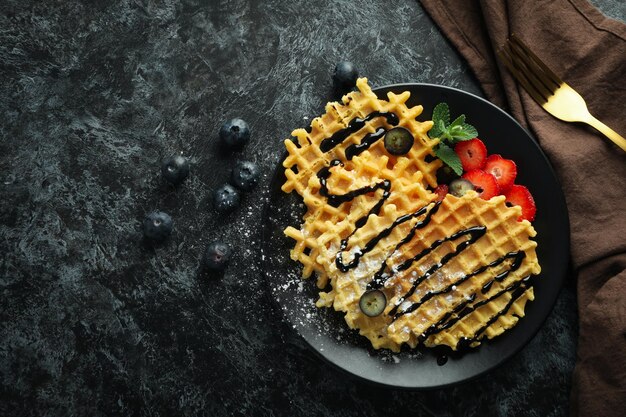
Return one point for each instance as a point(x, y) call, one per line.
point(336, 200)
point(380, 277)
point(474, 234)
point(471, 235)
point(355, 125)
point(516, 293)
point(374, 241)
point(366, 142)
point(464, 309)
point(517, 256)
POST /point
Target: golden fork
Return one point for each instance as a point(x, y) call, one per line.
point(547, 89)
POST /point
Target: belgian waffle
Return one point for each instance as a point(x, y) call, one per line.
point(453, 271)
point(305, 159)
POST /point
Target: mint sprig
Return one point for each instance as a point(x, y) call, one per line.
point(449, 134)
point(449, 157)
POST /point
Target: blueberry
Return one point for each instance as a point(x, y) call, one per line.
point(245, 175)
point(345, 76)
point(217, 256)
point(235, 133)
point(398, 141)
point(373, 303)
point(175, 169)
point(460, 186)
point(226, 198)
point(445, 175)
point(157, 226)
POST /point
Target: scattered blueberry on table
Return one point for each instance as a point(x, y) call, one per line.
point(245, 175)
point(235, 133)
point(217, 256)
point(175, 169)
point(345, 76)
point(226, 199)
point(157, 226)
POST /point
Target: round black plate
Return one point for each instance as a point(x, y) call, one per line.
point(328, 334)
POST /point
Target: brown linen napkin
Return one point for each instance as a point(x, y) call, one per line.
point(588, 51)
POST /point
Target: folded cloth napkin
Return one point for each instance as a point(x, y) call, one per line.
point(588, 51)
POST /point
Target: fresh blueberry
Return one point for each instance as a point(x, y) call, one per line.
point(460, 186)
point(157, 226)
point(226, 198)
point(398, 141)
point(217, 256)
point(175, 169)
point(345, 76)
point(235, 133)
point(245, 175)
point(373, 302)
point(445, 175)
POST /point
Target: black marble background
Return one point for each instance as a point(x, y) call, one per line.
point(94, 321)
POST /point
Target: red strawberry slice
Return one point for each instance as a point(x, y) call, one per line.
point(441, 191)
point(519, 195)
point(472, 154)
point(503, 170)
point(486, 185)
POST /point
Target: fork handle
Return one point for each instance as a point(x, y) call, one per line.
point(608, 132)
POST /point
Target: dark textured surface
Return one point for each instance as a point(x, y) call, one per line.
point(94, 321)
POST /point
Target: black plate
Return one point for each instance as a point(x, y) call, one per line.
point(328, 334)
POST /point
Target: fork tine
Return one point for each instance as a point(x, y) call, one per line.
point(547, 71)
point(531, 71)
point(542, 84)
point(507, 58)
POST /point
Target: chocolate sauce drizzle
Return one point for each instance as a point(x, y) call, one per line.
point(474, 234)
point(355, 125)
point(469, 236)
point(381, 276)
point(371, 244)
point(366, 142)
point(517, 256)
point(336, 200)
point(517, 289)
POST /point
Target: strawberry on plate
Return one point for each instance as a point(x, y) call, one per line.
point(486, 185)
point(472, 153)
point(503, 170)
point(519, 195)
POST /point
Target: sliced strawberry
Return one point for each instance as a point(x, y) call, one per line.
point(486, 185)
point(503, 170)
point(441, 191)
point(519, 195)
point(472, 154)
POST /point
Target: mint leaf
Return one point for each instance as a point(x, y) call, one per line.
point(449, 157)
point(459, 121)
point(442, 112)
point(462, 131)
point(449, 134)
point(465, 132)
point(441, 119)
point(437, 130)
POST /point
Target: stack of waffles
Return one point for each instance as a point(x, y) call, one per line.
point(453, 270)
